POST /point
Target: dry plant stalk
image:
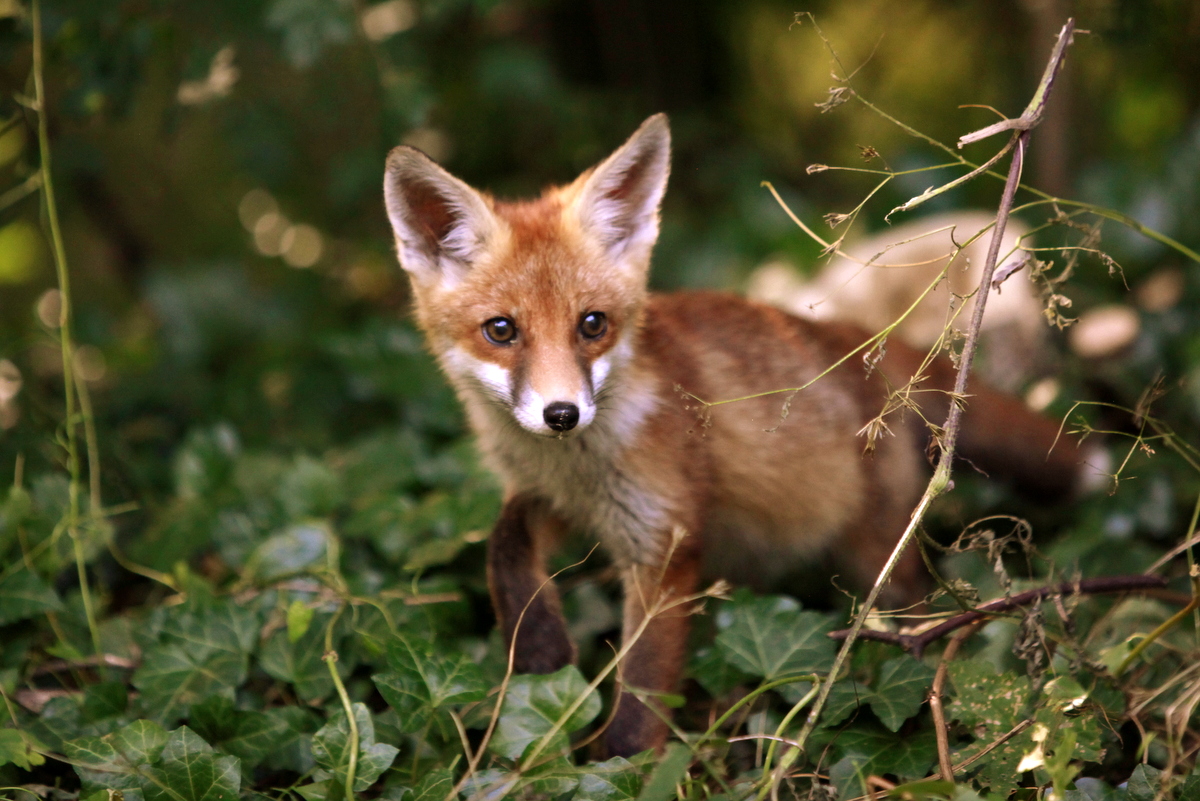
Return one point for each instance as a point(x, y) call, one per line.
point(935, 699)
point(941, 482)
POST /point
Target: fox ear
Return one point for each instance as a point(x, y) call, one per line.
point(441, 224)
point(619, 200)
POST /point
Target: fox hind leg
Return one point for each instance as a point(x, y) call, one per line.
point(870, 542)
point(656, 659)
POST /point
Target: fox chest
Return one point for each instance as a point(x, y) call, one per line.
point(591, 491)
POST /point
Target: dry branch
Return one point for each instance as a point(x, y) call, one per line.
point(940, 482)
point(916, 643)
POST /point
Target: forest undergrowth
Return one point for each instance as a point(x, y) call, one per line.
point(313, 624)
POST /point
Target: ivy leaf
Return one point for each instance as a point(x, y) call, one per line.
point(116, 761)
point(1190, 789)
point(613, 780)
point(490, 783)
point(174, 677)
point(992, 705)
point(845, 698)
point(434, 787)
point(248, 735)
point(1068, 707)
point(24, 595)
point(289, 552)
point(901, 690)
point(421, 682)
point(872, 750)
point(1091, 789)
point(1144, 783)
point(221, 624)
point(555, 778)
point(108, 699)
point(202, 649)
point(100, 766)
point(983, 698)
point(301, 663)
point(205, 462)
point(18, 748)
point(534, 704)
point(61, 720)
point(715, 674)
point(331, 748)
point(310, 488)
point(191, 770)
point(771, 637)
point(293, 750)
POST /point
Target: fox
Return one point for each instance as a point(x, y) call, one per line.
point(580, 386)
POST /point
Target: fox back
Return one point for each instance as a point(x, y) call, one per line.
point(585, 392)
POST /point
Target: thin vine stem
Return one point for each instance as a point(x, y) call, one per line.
point(64, 330)
point(330, 659)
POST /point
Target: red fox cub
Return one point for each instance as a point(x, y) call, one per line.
point(573, 374)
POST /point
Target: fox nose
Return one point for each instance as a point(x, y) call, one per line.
point(561, 416)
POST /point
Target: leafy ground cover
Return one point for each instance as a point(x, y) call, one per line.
point(265, 576)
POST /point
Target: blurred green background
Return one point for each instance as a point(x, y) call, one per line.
point(242, 321)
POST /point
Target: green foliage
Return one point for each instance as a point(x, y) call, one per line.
point(333, 750)
point(195, 651)
point(20, 749)
point(865, 752)
point(288, 518)
point(899, 693)
point(144, 761)
point(771, 637)
point(617, 780)
point(422, 684)
point(536, 708)
point(23, 594)
point(993, 705)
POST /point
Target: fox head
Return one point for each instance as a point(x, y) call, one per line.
point(532, 306)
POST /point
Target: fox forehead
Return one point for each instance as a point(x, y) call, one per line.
point(541, 271)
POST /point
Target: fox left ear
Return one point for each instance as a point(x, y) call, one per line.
point(619, 200)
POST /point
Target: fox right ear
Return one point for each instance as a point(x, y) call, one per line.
point(441, 223)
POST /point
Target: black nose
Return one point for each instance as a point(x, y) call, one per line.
point(561, 416)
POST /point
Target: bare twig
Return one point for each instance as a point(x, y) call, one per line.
point(1037, 106)
point(912, 203)
point(22, 190)
point(917, 643)
point(935, 699)
point(992, 746)
point(66, 665)
point(941, 478)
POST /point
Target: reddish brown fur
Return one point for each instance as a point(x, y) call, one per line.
point(752, 486)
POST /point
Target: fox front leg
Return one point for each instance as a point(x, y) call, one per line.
point(655, 661)
point(525, 600)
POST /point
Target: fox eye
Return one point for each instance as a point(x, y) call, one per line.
point(500, 331)
point(593, 325)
